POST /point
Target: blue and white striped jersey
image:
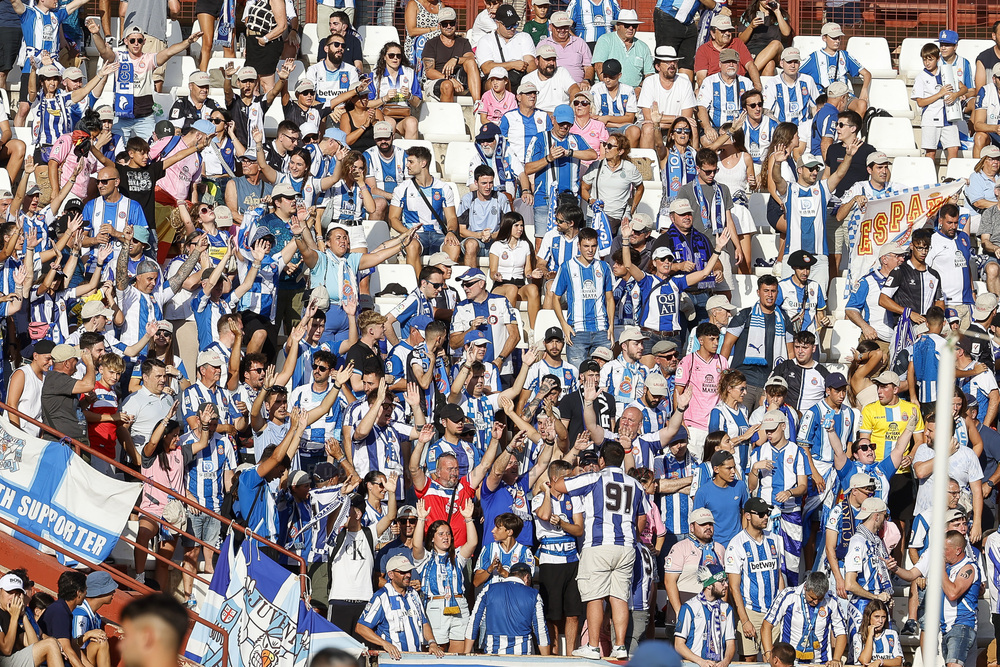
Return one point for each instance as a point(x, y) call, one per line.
point(565, 170)
point(498, 313)
point(952, 259)
point(793, 299)
point(440, 575)
point(261, 297)
point(53, 118)
point(118, 214)
point(407, 197)
point(807, 217)
point(346, 203)
point(555, 545)
point(695, 623)
point(399, 619)
point(388, 173)
point(759, 565)
point(612, 503)
point(865, 557)
point(331, 82)
point(962, 611)
point(811, 431)
point(141, 309)
point(864, 299)
point(40, 31)
point(885, 646)
point(413, 305)
point(309, 187)
point(593, 19)
point(991, 548)
point(797, 622)
point(758, 139)
point(482, 411)
point(624, 380)
point(628, 301)
point(683, 11)
point(674, 507)
point(980, 387)
point(789, 462)
point(623, 101)
point(198, 393)
point(466, 453)
point(722, 100)
point(314, 437)
point(644, 578)
point(566, 373)
point(382, 449)
point(926, 354)
point(206, 471)
point(520, 129)
point(206, 316)
point(790, 103)
point(518, 553)
point(556, 249)
point(505, 617)
point(824, 68)
point(585, 287)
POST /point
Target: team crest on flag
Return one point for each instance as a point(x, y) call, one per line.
point(11, 449)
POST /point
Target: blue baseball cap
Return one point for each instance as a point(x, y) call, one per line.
point(420, 322)
point(488, 132)
point(472, 275)
point(948, 37)
point(564, 114)
point(476, 336)
point(951, 315)
point(203, 125)
point(836, 381)
point(336, 133)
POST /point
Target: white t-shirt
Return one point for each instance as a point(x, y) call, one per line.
point(516, 48)
point(551, 92)
point(925, 85)
point(510, 262)
point(963, 467)
point(670, 102)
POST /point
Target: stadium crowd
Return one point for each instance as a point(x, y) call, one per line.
point(563, 414)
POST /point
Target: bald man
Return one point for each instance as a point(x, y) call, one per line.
point(106, 217)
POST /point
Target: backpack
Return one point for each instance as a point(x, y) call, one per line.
point(866, 122)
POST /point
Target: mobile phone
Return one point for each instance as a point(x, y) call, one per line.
point(762, 15)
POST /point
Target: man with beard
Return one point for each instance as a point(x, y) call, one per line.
point(494, 151)
point(868, 564)
point(669, 95)
point(449, 63)
point(555, 84)
point(336, 81)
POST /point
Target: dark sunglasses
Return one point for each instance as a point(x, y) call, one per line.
point(218, 121)
point(435, 285)
point(754, 105)
point(865, 448)
point(410, 521)
point(138, 40)
point(336, 44)
point(710, 171)
point(682, 131)
point(204, 209)
point(446, 24)
point(106, 180)
point(394, 55)
point(318, 367)
point(581, 103)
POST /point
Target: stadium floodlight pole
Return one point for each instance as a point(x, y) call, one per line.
point(943, 427)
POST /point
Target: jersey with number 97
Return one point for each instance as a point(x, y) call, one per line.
point(612, 504)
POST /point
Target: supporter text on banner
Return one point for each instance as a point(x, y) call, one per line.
point(49, 490)
point(890, 218)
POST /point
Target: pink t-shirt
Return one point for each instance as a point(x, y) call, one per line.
point(654, 526)
point(703, 376)
point(684, 559)
point(593, 133)
point(62, 151)
point(494, 108)
point(181, 175)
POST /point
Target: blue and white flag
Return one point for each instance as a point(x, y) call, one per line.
point(48, 490)
point(603, 228)
point(258, 603)
point(224, 27)
point(125, 90)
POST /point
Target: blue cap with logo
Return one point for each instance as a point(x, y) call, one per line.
point(471, 276)
point(420, 322)
point(477, 337)
point(948, 37)
point(564, 114)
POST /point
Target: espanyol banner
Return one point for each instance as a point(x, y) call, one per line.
point(888, 218)
point(49, 490)
point(258, 603)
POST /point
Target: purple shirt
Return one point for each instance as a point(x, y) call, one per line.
point(575, 56)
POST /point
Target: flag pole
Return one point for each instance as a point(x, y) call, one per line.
point(944, 425)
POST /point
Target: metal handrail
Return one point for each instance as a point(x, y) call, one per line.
point(124, 580)
point(81, 447)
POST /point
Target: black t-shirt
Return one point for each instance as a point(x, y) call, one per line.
point(571, 408)
point(61, 408)
point(352, 49)
point(982, 348)
point(57, 619)
point(774, 347)
point(988, 58)
point(139, 183)
point(184, 108)
point(437, 51)
point(360, 354)
point(858, 171)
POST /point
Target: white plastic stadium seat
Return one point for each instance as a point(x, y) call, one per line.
point(758, 211)
point(310, 43)
point(873, 54)
point(373, 38)
point(806, 44)
point(386, 274)
point(835, 301)
point(408, 143)
point(891, 95)
point(910, 62)
point(893, 136)
point(172, 77)
point(546, 318)
point(845, 336)
point(293, 78)
point(376, 232)
point(456, 160)
point(961, 167)
point(744, 291)
point(5, 180)
point(442, 122)
point(971, 48)
point(914, 171)
point(647, 38)
point(275, 115)
point(765, 247)
point(174, 32)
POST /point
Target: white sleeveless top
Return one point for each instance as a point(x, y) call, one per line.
point(735, 177)
point(30, 402)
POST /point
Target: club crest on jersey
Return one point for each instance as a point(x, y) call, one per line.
point(822, 612)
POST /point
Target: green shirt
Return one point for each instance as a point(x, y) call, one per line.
point(637, 62)
point(536, 30)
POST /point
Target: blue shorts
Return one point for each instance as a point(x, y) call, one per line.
point(206, 528)
point(956, 644)
point(430, 240)
point(621, 130)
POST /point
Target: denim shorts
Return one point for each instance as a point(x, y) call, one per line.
point(430, 240)
point(957, 642)
point(206, 528)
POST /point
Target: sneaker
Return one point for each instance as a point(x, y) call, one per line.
point(619, 653)
point(192, 602)
point(589, 652)
point(910, 628)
